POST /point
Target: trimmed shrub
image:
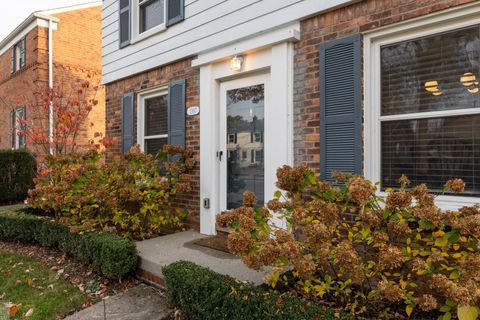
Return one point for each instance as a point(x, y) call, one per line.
point(108, 254)
point(200, 293)
point(17, 169)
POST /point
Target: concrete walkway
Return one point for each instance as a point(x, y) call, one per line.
point(159, 252)
point(139, 303)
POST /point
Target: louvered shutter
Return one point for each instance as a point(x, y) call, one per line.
point(22, 58)
point(176, 113)
point(175, 11)
point(127, 122)
point(340, 107)
point(12, 59)
point(12, 128)
point(125, 28)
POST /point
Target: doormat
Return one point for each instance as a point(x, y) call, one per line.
point(218, 242)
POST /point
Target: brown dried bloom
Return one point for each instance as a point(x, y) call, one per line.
point(427, 302)
point(304, 266)
point(291, 179)
point(399, 229)
point(404, 181)
point(381, 237)
point(390, 257)
point(431, 214)
point(317, 234)
point(470, 225)
point(290, 250)
point(275, 205)
point(239, 242)
point(471, 267)
point(245, 211)
point(226, 219)
point(419, 191)
point(249, 199)
point(390, 292)
point(283, 236)
point(328, 213)
point(436, 256)
point(360, 190)
point(419, 265)
point(268, 254)
point(346, 257)
point(459, 294)
point(299, 214)
point(455, 185)
point(399, 199)
point(252, 261)
point(470, 211)
point(371, 218)
point(247, 223)
point(340, 176)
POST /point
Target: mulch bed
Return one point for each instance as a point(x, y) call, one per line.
point(80, 275)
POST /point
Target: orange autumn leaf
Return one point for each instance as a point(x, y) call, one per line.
point(12, 308)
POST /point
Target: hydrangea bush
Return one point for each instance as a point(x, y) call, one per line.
point(346, 246)
point(131, 196)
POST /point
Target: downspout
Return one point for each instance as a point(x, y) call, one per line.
point(50, 83)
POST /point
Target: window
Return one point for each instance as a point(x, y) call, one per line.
point(152, 14)
point(17, 126)
point(232, 138)
point(430, 109)
point(257, 137)
point(153, 114)
point(17, 56)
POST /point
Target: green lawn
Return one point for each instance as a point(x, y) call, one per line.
point(27, 282)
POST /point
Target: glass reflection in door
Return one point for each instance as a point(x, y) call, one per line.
point(245, 144)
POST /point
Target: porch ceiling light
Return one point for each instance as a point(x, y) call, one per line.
point(236, 63)
point(469, 80)
point(432, 86)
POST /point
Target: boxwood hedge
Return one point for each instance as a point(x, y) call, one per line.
point(108, 254)
point(200, 293)
point(17, 168)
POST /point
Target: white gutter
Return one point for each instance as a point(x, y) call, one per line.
point(50, 82)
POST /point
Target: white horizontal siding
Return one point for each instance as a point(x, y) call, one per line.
point(208, 24)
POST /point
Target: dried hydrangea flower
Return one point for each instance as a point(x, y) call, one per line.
point(390, 257)
point(427, 302)
point(239, 242)
point(360, 190)
point(404, 181)
point(391, 292)
point(399, 199)
point(455, 185)
point(249, 199)
point(399, 229)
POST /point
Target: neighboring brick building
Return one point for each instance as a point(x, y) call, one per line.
point(24, 68)
point(374, 87)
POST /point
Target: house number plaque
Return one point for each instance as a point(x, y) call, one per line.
point(193, 111)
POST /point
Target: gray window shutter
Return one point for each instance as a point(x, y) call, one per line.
point(127, 121)
point(175, 11)
point(12, 128)
point(12, 59)
point(125, 21)
point(176, 113)
point(22, 57)
point(340, 107)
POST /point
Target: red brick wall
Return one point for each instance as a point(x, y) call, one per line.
point(359, 17)
point(157, 77)
point(76, 57)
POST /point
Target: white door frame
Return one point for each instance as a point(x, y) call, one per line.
point(274, 62)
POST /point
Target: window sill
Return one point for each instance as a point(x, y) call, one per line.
point(147, 34)
point(449, 202)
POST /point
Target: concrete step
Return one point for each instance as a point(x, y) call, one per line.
point(159, 252)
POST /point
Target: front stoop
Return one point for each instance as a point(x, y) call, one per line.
point(160, 252)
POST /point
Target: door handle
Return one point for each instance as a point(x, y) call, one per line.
point(219, 155)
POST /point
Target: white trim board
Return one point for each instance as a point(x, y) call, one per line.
point(373, 40)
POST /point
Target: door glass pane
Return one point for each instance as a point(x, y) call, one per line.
point(245, 126)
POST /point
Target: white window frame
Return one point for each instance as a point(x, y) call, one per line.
point(18, 126)
point(445, 21)
point(135, 25)
point(142, 96)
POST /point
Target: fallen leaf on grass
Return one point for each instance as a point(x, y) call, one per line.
point(12, 308)
point(29, 312)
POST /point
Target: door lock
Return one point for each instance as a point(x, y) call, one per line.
point(219, 155)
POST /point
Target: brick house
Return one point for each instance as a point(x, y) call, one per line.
point(377, 87)
point(27, 64)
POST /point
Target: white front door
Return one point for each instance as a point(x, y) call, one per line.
point(242, 140)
